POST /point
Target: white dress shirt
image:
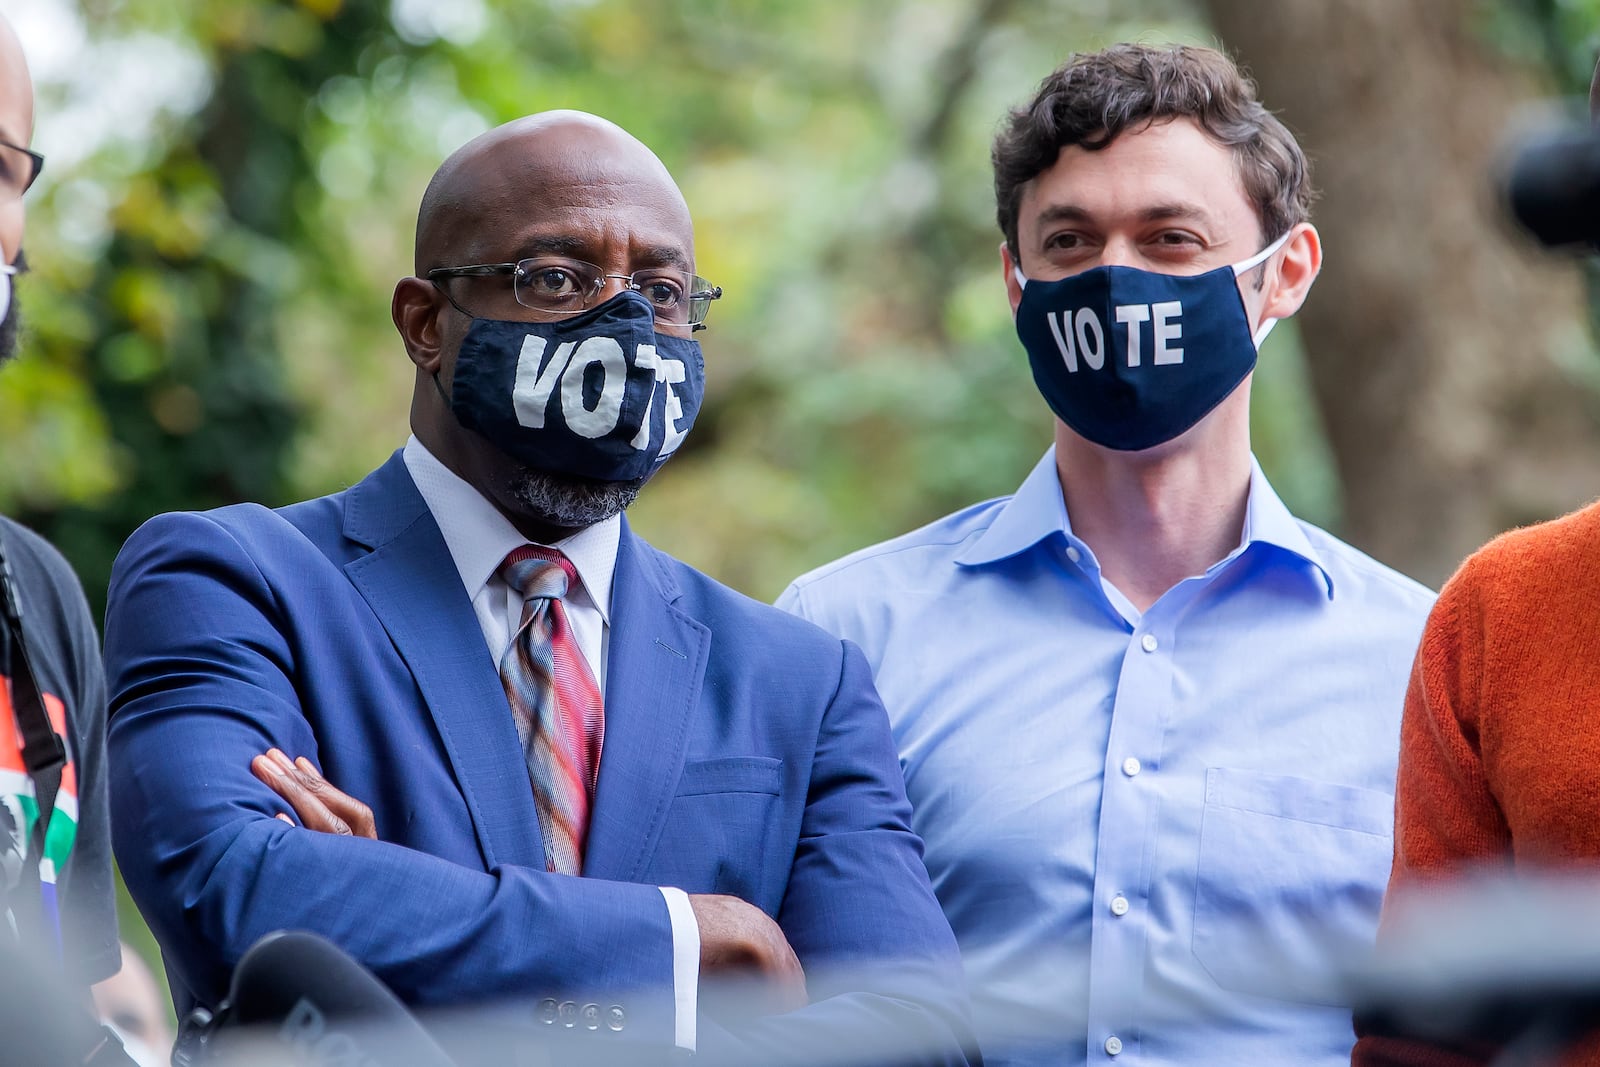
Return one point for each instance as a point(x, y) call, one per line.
point(479, 538)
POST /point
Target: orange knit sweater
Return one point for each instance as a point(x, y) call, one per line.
point(1500, 742)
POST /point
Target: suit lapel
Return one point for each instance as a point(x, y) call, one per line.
point(412, 586)
point(654, 669)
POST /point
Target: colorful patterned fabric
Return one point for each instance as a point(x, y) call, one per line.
point(555, 703)
point(19, 810)
point(72, 905)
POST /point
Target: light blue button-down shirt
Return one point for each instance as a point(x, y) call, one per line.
point(1153, 834)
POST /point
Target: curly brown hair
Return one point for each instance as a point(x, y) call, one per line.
point(1096, 96)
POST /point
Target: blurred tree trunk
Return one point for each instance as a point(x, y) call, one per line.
point(1452, 363)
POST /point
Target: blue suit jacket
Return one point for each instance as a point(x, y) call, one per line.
point(746, 752)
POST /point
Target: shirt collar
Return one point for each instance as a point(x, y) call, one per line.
point(479, 537)
point(1267, 521)
point(1038, 511)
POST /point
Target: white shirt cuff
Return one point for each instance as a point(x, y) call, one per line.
point(685, 965)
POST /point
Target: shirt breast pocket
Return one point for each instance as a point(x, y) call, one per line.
point(1290, 877)
point(720, 829)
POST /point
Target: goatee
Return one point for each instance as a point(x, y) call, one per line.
point(571, 503)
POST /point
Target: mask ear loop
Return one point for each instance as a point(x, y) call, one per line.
point(1255, 261)
point(1238, 269)
point(1261, 334)
point(1262, 256)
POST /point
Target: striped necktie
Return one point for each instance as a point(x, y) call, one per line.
point(555, 703)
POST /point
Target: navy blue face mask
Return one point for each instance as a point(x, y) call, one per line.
point(600, 395)
point(1130, 358)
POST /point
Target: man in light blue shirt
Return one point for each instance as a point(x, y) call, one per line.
point(1148, 720)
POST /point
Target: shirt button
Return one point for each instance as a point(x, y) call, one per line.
point(1149, 643)
point(1113, 1045)
point(1130, 766)
point(1119, 905)
point(615, 1019)
point(1073, 554)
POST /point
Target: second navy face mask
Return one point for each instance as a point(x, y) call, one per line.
point(1130, 358)
point(599, 395)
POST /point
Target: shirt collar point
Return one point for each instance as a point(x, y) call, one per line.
point(1327, 578)
point(1268, 521)
point(1034, 512)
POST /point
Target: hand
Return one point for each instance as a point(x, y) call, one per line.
point(320, 806)
point(736, 936)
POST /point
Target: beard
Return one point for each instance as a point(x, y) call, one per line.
point(560, 500)
point(10, 326)
point(571, 503)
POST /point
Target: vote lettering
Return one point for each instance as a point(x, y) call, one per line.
point(1080, 335)
point(560, 379)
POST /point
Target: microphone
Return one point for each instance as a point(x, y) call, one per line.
point(297, 993)
point(1552, 186)
point(1551, 183)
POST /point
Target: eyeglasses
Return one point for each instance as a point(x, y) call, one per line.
point(18, 168)
point(558, 286)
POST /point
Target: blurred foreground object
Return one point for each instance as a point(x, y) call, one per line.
point(42, 1023)
point(131, 1004)
point(297, 997)
point(1488, 963)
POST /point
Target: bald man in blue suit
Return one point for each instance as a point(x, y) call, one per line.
point(748, 810)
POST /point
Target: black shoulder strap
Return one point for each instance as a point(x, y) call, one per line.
point(44, 753)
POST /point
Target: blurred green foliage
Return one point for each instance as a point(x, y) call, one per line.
point(1562, 36)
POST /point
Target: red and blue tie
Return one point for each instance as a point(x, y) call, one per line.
point(555, 703)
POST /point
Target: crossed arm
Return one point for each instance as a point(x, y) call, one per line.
point(897, 1000)
point(736, 938)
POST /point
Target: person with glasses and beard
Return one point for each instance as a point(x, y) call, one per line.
point(589, 776)
point(58, 923)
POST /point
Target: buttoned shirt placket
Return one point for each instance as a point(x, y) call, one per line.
point(1126, 853)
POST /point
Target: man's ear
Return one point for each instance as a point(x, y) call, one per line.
point(1009, 267)
point(1298, 266)
point(415, 310)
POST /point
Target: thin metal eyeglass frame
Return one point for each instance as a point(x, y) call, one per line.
point(481, 270)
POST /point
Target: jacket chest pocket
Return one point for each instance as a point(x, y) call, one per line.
point(731, 774)
point(720, 830)
point(1290, 878)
